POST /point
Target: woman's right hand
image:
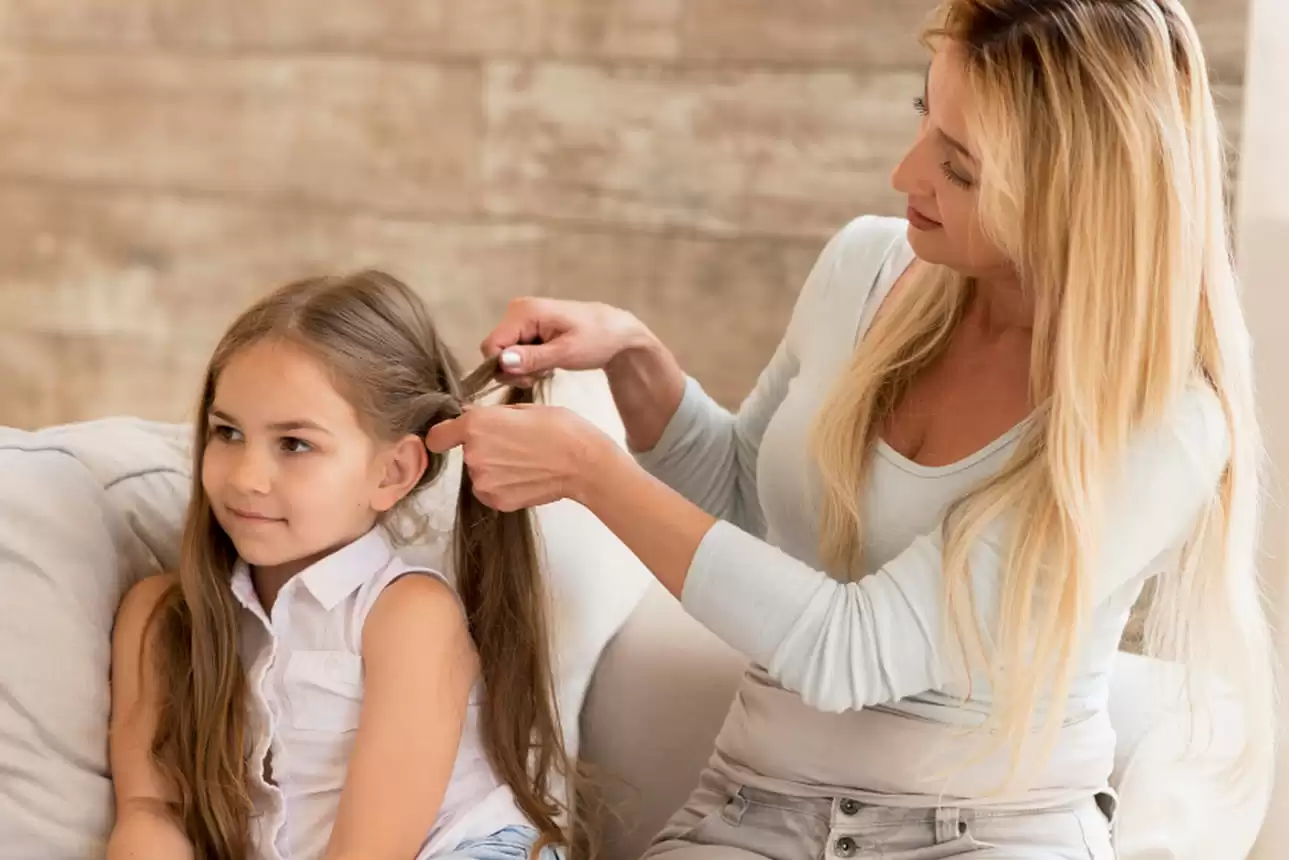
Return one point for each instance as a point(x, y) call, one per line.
point(538, 336)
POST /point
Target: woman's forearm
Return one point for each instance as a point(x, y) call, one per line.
point(647, 384)
point(145, 830)
point(662, 527)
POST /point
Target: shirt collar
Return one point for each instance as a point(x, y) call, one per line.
point(330, 579)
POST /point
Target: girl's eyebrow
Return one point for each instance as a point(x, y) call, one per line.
point(278, 426)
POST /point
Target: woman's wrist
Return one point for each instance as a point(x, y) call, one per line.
point(599, 471)
point(647, 385)
point(637, 345)
point(638, 508)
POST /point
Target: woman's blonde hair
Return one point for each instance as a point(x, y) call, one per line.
point(1102, 170)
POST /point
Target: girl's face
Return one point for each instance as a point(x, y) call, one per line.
point(290, 472)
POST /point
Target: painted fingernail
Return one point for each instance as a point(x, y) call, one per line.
point(510, 358)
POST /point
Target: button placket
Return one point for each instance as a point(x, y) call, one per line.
point(278, 621)
point(850, 830)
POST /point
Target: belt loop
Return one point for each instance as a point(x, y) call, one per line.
point(948, 824)
point(732, 813)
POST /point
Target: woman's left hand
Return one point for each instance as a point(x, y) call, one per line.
point(523, 456)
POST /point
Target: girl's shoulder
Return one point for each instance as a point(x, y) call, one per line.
point(416, 614)
point(140, 603)
point(415, 597)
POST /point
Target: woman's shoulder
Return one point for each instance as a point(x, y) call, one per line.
point(873, 231)
point(857, 253)
point(850, 268)
point(1190, 442)
point(859, 249)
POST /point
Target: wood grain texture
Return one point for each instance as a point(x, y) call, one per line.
point(424, 29)
point(720, 305)
point(784, 154)
point(163, 162)
point(803, 33)
point(93, 268)
point(338, 131)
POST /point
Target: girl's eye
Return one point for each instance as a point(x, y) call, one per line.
point(224, 433)
point(293, 445)
point(919, 105)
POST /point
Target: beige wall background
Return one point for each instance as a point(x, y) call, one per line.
point(162, 162)
point(1264, 262)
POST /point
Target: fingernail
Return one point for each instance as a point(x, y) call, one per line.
point(510, 358)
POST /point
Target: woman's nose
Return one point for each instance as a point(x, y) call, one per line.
point(909, 177)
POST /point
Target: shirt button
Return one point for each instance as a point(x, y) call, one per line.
point(850, 806)
point(845, 847)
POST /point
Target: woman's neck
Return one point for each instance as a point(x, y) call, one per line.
point(999, 305)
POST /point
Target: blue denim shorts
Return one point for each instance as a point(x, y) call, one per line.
point(509, 843)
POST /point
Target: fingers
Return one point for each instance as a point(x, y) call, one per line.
point(456, 432)
point(521, 324)
point(507, 333)
point(446, 435)
point(532, 360)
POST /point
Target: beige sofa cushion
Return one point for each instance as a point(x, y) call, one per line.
point(65, 559)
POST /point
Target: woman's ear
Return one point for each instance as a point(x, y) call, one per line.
point(402, 466)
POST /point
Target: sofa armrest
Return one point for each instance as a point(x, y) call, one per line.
point(656, 702)
point(1172, 768)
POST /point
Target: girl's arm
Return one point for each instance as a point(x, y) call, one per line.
point(419, 666)
point(145, 828)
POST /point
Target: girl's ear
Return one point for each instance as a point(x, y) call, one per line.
point(401, 467)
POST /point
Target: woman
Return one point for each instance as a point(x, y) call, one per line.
point(984, 431)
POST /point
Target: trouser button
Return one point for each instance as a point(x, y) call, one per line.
point(850, 806)
point(845, 847)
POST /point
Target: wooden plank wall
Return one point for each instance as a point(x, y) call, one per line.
point(162, 162)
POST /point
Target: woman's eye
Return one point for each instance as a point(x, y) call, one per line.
point(955, 177)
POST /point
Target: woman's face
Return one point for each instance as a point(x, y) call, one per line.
point(940, 174)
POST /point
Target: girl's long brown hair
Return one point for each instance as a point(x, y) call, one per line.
point(376, 337)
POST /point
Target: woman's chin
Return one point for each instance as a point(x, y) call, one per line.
point(927, 246)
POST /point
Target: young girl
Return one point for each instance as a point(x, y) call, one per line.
point(296, 692)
